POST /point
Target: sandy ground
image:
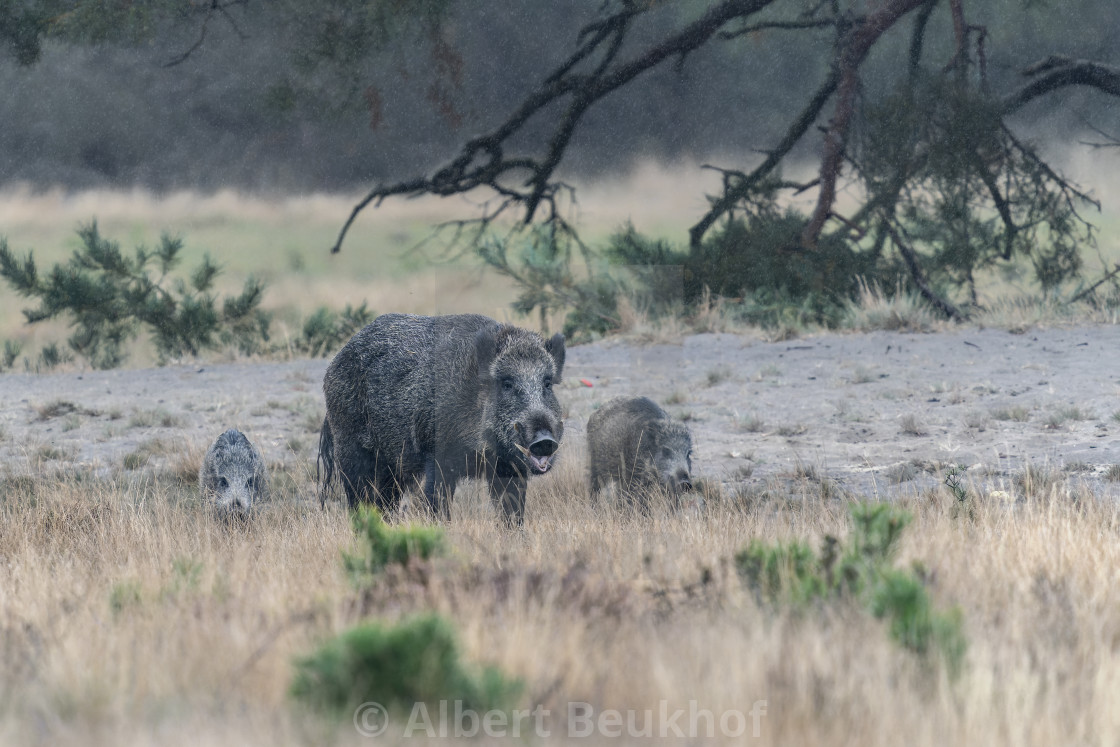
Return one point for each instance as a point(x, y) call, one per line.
point(875, 414)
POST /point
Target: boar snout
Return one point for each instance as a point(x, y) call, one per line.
point(543, 444)
point(541, 449)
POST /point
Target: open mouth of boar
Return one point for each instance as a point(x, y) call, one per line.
point(541, 451)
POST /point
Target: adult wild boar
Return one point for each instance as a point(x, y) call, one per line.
point(442, 398)
point(632, 441)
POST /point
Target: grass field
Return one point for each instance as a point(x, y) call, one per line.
point(390, 259)
point(131, 617)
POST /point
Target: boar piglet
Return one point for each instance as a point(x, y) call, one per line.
point(233, 477)
point(633, 442)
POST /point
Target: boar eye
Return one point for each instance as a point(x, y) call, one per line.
point(548, 384)
point(223, 483)
point(507, 385)
point(666, 452)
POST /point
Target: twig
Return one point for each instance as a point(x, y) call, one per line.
point(1002, 207)
point(1108, 276)
point(778, 25)
point(215, 6)
point(918, 276)
point(732, 195)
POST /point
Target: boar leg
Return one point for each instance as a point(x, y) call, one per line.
point(438, 488)
point(508, 494)
point(356, 470)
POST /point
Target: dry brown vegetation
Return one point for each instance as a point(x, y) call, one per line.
point(130, 616)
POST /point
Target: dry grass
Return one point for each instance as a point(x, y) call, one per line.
point(710, 315)
point(912, 425)
point(902, 311)
point(1020, 312)
point(129, 616)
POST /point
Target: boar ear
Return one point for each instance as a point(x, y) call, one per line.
point(485, 348)
point(555, 347)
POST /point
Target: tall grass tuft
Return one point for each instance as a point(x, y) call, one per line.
point(900, 311)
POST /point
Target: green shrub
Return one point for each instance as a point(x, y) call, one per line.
point(762, 253)
point(51, 356)
point(901, 599)
point(653, 269)
point(755, 262)
point(857, 571)
point(779, 572)
point(555, 272)
point(383, 545)
point(108, 297)
point(417, 660)
point(325, 330)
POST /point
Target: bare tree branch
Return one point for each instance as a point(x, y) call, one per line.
point(1057, 72)
point(215, 7)
point(918, 36)
point(742, 187)
point(1107, 276)
point(916, 274)
point(857, 42)
point(812, 23)
point(482, 161)
point(1068, 188)
point(1004, 210)
point(960, 35)
point(1111, 141)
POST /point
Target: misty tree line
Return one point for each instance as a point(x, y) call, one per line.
point(338, 94)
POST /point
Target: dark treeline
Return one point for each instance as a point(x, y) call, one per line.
point(252, 107)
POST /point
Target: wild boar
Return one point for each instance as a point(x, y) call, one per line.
point(633, 442)
point(438, 399)
point(233, 476)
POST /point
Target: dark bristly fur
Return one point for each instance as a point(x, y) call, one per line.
point(442, 398)
point(632, 441)
point(233, 476)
